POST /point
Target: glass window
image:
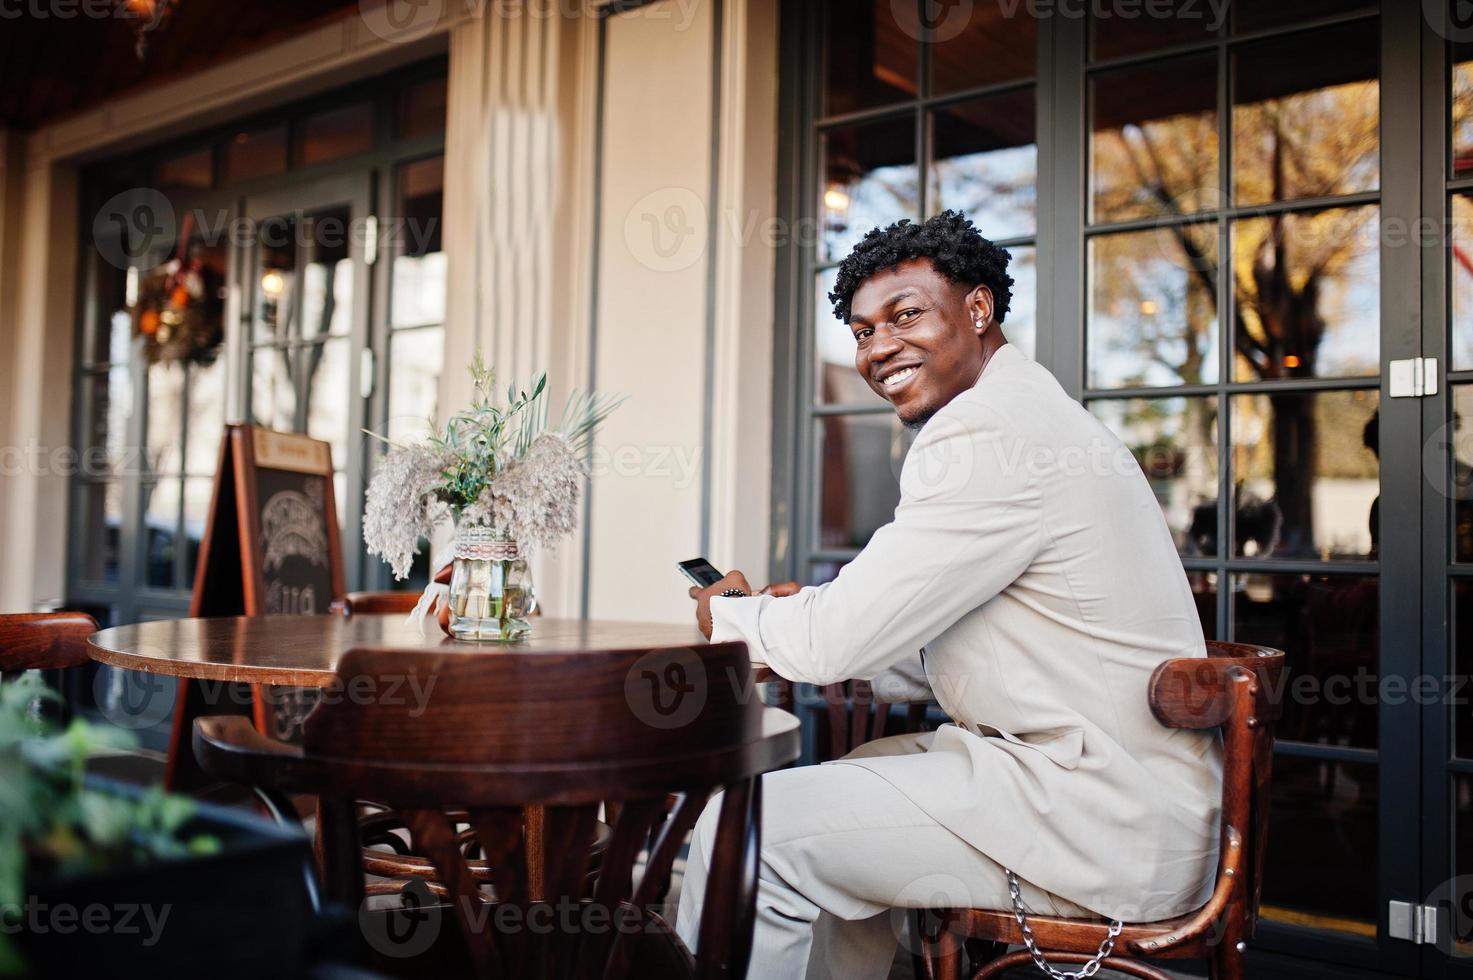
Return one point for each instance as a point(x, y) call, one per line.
point(870, 59)
point(337, 133)
point(1122, 29)
point(418, 288)
point(1258, 15)
point(859, 476)
point(1306, 115)
point(1175, 442)
point(416, 358)
point(100, 524)
point(1460, 282)
point(1152, 314)
point(977, 44)
point(192, 171)
point(256, 154)
point(1308, 474)
point(1458, 488)
point(870, 179)
point(420, 109)
point(984, 163)
point(1307, 289)
point(1153, 141)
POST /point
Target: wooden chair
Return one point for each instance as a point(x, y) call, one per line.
point(375, 603)
point(855, 717)
point(504, 730)
point(1233, 689)
point(44, 641)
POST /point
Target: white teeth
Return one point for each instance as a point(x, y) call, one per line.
point(898, 376)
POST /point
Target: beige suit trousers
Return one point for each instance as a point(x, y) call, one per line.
point(844, 854)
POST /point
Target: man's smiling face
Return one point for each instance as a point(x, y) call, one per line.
point(919, 337)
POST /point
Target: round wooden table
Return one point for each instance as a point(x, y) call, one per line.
point(303, 651)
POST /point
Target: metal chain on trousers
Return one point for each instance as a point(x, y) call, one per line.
point(1083, 973)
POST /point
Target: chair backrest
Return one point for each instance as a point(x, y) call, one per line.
point(44, 641)
point(375, 603)
point(494, 731)
point(855, 717)
point(1237, 688)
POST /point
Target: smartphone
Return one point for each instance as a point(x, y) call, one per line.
point(700, 571)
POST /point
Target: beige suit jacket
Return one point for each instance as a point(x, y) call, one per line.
point(1030, 566)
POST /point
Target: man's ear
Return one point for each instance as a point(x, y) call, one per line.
point(979, 308)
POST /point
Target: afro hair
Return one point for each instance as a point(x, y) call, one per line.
point(952, 243)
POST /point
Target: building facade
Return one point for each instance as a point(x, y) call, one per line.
point(1240, 236)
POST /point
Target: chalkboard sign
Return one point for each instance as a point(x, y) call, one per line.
point(271, 546)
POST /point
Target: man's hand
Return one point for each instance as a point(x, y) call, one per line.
point(732, 580)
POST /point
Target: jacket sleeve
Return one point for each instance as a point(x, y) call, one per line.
point(968, 524)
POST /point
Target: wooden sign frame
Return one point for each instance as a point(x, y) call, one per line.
point(230, 577)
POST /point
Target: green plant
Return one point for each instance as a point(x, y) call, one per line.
point(51, 823)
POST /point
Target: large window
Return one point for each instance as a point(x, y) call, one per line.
point(1212, 200)
point(323, 222)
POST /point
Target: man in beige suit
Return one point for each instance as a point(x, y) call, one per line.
point(1029, 583)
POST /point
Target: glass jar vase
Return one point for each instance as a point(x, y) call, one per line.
point(490, 587)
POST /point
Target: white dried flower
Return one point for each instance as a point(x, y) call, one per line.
point(535, 500)
point(401, 507)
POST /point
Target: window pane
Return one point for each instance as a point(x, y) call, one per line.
point(979, 44)
point(1152, 317)
point(859, 476)
point(869, 180)
point(985, 163)
point(415, 361)
point(1462, 923)
point(325, 370)
point(418, 288)
point(1306, 115)
point(194, 171)
point(1204, 594)
point(1307, 474)
point(206, 416)
point(1462, 629)
point(1021, 324)
point(165, 417)
point(256, 154)
point(1329, 626)
point(837, 383)
point(337, 133)
point(1308, 293)
point(1321, 865)
point(273, 391)
point(421, 109)
point(1257, 15)
point(1175, 442)
point(1153, 146)
point(100, 526)
point(1119, 30)
point(327, 277)
point(871, 59)
point(275, 292)
point(160, 532)
point(109, 397)
point(197, 491)
point(1461, 129)
point(111, 333)
point(1460, 278)
point(1458, 485)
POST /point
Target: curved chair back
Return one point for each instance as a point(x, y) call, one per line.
point(44, 641)
point(1237, 688)
point(495, 732)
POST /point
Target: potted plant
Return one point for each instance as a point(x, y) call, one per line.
point(507, 478)
point(101, 875)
